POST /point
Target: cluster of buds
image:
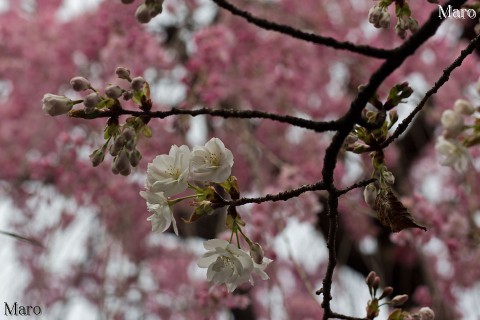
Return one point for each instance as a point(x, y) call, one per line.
point(451, 146)
point(148, 10)
point(405, 23)
point(206, 170)
point(373, 305)
point(380, 18)
point(379, 119)
point(121, 140)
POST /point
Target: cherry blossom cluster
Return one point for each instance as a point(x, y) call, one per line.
point(207, 171)
point(148, 10)
point(121, 140)
point(380, 18)
point(373, 305)
point(451, 146)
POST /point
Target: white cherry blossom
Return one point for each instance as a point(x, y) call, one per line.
point(162, 216)
point(212, 162)
point(169, 173)
point(452, 153)
point(226, 264)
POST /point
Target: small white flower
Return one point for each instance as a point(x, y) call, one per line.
point(463, 107)
point(426, 314)
point(54, 105)
point(169, 173)
point(452, 153)
point(213, 162)
point(226, 264)
point(452, 122)
point(162, 216)
point(259, 268)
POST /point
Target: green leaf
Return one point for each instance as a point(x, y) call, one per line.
point(147, 132)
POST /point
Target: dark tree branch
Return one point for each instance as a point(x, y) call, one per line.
point(348, 122)
point(317, 126)
point(282, 196)
point(309, 37)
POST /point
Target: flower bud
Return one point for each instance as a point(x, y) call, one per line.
point(463, 107)
point(376, 283)
point(256, 252)
point(155, 7)
point(134, 157)
point(370, 195)
point(143, 14)
point(369, 279)
point(388, 177)
point(123, 73)
point(54, 105)
point(113, 91)
point(397, 301)
point(374, 14)
point(97, 156)
point(121, 163)
point(91, 101)
point(127, 95)
point(138, 83)
point(386, 292)
point(351, 138)
point(129, 134)
point(412, 24)
point(426, 314)
point(384, 21)
point(117, 146)
point(80, 84)
point(452, 122)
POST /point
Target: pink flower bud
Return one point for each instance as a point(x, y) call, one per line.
point(80, 84)
point(54, 105)
point(386, 292)
point(91, 101)
point(117, 146)
point(256, 252)
point(399, 300)
point(113, 91)
point(138, 83)
point(134, 157)
point(121, 163)
point(143, 14)
point(97, 156)
point(129, 134)
point(369, 279)
point(123, 73)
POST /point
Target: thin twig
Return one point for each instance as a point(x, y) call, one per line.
point(360, 184)
point(21, 238)
point(309, 37)
point(317, 126)
point(438, 84)
point(282, 196)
